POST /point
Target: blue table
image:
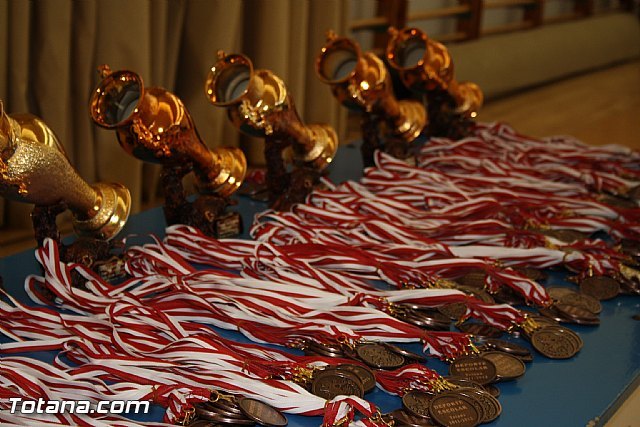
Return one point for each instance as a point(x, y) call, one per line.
point(564, 393)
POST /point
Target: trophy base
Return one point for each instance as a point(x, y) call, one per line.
point(100, 256)
point(302, 181)
point(206, 213)
point(443, 120)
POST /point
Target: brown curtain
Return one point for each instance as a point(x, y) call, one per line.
point(49, 51)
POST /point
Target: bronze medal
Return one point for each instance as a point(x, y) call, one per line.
point(480, 329)
point(490, 405)
point(210, 412)
point(417, 403)
point(454, 310)
point(473, 398)
point(507, 295)
point(379, 356)
point(492, 390)
point(454, 410)
point(363, 373)
point(556, 292)
point(552, 314)
point(262, 413)
point(463, 382)
point(226, 410)
point(414, 357)
point(600, 287)
point(579, 299)
point(475, 368)
point(508, 367)
point(426, 323)
point(577, 314)
point(335, 383)
point(474, 279)
point(572, 336)
point(403, 418)
point(481, 294)
point(553, 344)
point(507, 347)
point(221, 419)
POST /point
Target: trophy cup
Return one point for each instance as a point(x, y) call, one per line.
point(425, 67)
point(153, 125)
point(259, 104)
point(360, 82)
point(34, 169)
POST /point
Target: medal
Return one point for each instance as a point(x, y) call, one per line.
point(600, 287)
point(379, 356)
point(334, 382)
point(262, 413)
point(417, 403)
point(474, 368)
point(508, 367)
point(458, 410)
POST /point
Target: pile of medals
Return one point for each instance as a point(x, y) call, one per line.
point(223, 409)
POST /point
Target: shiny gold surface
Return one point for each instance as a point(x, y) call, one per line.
point(425, 65)
point(34, 169)
point(259, 104)
point(360, 81)
point(153, 125)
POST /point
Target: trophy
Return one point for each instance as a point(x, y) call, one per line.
point(259, 104)
point(425, 67)
point(360, 82)
point(34, 169)
point(153, 125)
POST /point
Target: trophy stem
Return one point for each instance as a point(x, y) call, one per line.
point(175, 198)
point(43, 219)
point(371, 140)
point(277, 177)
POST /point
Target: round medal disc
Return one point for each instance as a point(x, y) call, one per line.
point(262, 413)
point(490, 405)
point(553, 344)
point(480, 329)
point(582, 300)
point(508, 367)
point(379, 356)
point(406, 353)
point(600, 287)
point(335, 383)
point(507, 347)
point(454, 310)
point(417, 403)
point(363, 373)
point(475, 368)
point(405, 419)
point(450, 410)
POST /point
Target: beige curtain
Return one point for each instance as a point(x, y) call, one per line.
point(49, 51)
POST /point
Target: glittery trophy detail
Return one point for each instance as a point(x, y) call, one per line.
point(34, 169)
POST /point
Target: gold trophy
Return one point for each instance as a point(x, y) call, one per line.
point(360, 82)
point(34, 169)
point(425, 67)
point(259, 104)
point(153, 125)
